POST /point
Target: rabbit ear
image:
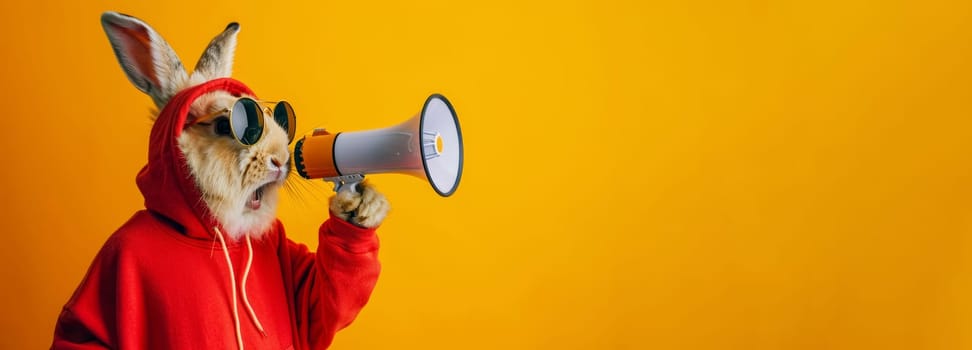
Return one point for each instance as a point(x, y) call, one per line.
point(148, 61)
point(217, 60)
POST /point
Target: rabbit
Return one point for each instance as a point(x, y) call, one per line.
point(239, 184)
point(156, 283)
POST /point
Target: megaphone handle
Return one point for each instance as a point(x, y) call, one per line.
point(351, 180)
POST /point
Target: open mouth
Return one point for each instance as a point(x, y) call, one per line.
point(257, 198)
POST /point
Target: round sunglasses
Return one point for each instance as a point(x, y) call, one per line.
point(245, 119)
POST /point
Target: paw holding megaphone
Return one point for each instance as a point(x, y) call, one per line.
point(360, 204)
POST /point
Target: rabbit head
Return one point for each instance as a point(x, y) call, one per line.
point(239, 184)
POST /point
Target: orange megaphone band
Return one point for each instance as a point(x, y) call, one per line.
point(319, 146)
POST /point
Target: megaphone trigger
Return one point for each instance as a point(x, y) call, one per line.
point(345, 181)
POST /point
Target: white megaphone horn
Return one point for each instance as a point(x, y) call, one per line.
point(427, 146)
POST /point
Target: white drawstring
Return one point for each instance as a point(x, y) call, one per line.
point(246, 273)
point(229, 265)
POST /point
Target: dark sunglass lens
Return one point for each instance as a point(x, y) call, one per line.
point(283, 114)
point(247, 123)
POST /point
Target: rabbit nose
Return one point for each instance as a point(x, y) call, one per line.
point(273, 163)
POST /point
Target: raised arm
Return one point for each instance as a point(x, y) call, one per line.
point(333, 284)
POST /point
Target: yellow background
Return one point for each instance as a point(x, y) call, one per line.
point(643, 175)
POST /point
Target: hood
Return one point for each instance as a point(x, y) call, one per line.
point(165, 182)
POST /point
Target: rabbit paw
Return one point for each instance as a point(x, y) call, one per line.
point(363, 206)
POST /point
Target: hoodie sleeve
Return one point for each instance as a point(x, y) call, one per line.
point(332, 285)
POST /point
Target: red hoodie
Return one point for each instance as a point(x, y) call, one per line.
point(162, 280)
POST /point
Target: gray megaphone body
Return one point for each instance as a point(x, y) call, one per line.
point(427, 146)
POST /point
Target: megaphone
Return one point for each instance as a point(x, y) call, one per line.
point(427, 146)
